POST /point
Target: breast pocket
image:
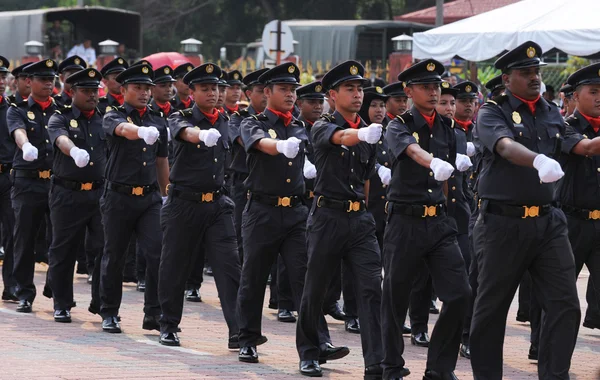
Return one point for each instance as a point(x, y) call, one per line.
point(522, 136)
point(77, 135)
point(551, 142)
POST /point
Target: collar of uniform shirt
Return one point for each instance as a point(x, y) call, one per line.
point(429, 119)
point(234, 109)
point(466, 125)
point(141, 111)
point(392, 117)
point(354, 124)
point(211, 117)
point(118, 97)
point(165, 108)
point(221, 110)
point(88, 114)
point(530, 103)
point(45, 104)
point(594, 121)
point(285, 117)
point(186, 102)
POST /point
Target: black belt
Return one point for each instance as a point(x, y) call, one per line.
point(194, 197)
point(37, 174)
point(347, 206)
point(132, 190)
point(276, 201)
point(420, 211)
point(5, 168)
point(77, 186)
point(581, 213)
point(522, 212)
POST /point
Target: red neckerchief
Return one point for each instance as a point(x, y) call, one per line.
point(44, 105)
point(530, 103)
point(187, 102)
point(235, 109)
point(118, 97)
point(355, 124)
point(212, 118)
point(594, 121)
point(222, 111)
point(166, 108)
point(69, 93)
point(1, 98)
point(466, 125)
point(390, 116)
point(55, 91)
point(285, 117)
point(88, 114)
point(429, 119)
point(309, 122)
point(142, 111)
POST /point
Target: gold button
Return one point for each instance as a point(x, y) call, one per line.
point(351, 170)
point(598, 169)
point(46, 127)
point(92, 148)
point(198, 146)
point(383, 197)
point(431, 154)
point(75, 136)
point(431, 191)
point(520, 133)
point(44, 113)
point(431, 174)
point(558, 135)
point(353, 153)
point(47, 141)
point(91, 163)
point(143, 149)
point(453, 200)
point(380, 142)
point(215, 160)
point(352, 187)
point(383, 152)
point(90, 135)
point(385, 163)
point(31, 129)
point(288, 180)
point(144, 164)
point(290, 163)
point(453, 187)
point(452, 176)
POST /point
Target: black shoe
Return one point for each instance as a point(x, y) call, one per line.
point(433, 309)
point(47, 291)
point(533, 353)
point(9, 296)
point(248, 354)
point(403, 373)
point(111, 325)
point(89, 279)
point(336, 312)
point(522, 317)
point(310, 368)
point(285, 315)
point(208, 271)
point(406, 329)
point(586, 322)
point(352, 326)
point(193, 295)
point(420, 339)
point(151, 322)
point(331, 352)
point(169, 339)
point(24, 306)
point(373, 372)
point(434, 375)
point(141, 286)
point(62, 316)
point(465, 351)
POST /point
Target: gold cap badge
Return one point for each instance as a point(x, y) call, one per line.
point(291, 69)
point(318, 88)
point(431, 66)
point(77, 61)
point(379, 90)
point(210, 69)
point(189, 68)
point(167, 70)
point(236, 76)
point(445, 85)
point(120, 61)
point(73, 123)
point(145, 70)
point(91, 73)
point(531, 52)
point(49, 63)
point(353, 70)
point(468, 88)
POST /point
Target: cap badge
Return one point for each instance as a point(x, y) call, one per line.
point(120, 61)
point(73, 123)
point(318, 88)
point(599, 73)
point(189, 68)
point(167, 70)
point(49, 63)
point(77, 61)
point(445, 85)
point(30, 115)
point(145, 70)
point(379, 90)
point(468, 88)
point(1, 63)
point(291, 69)
point(531, 52)
point(516, 117)
point(431, 66)
point(272, 133)
point(91, 73)
point(353, 70)
point(236, 76)
point(210, 69)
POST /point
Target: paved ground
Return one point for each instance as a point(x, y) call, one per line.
point(35, 347)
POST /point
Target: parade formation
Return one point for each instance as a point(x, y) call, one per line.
point(397, 192)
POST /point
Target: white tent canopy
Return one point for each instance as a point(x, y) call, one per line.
point(571, 26)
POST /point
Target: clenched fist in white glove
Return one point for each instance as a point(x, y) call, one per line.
point(463, 163)
point(30, 152)
point(209, 137)
point(370, 134)
point(80, 156)
point(548, 169)
point(441, 169)
point(385, 174)
point(289, 147)
point(148, 134)
point(470, 149)
point(310, 171)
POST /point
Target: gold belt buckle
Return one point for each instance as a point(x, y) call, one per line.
point(284, 202)
point(137, 191)
point(86, 186)
point(207, 197)
point(44, 174)
point(531, 212)
point(353, 206)
point(594, 215)
point(429, 211)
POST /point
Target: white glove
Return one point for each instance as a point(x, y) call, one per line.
point(548, 169)
point(470, 149)
point(148, 134)
point(385, 174)
point(463, 163)
point(30, 152)
point(209, 137)
point(441, 169)
point(310, 171)
point(164, 200)
point(289, 147)
point(80, 156)
point(370, 134)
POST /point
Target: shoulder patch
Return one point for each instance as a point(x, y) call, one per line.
point(406, 117)
point(328, 117)
point(244, 113)
point(500, 99)
point(186, 112)
point(58, 112)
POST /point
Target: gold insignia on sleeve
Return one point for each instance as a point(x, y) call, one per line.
point(272, 133)
point(73, 123)
point(468, 88)
point(30, 115)
point(431, 66)
point(531, 52)
point(145, 70)
point(353, 70)
point(416, 136)
point(210, 69)
point(516, 117)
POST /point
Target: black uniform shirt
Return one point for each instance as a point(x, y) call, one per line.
point(30, 117)
point(581, 185)
point(16, 98)
point(133, 162)
point(7, 144)
point(86, 134)
point(411, 182)
point(309, 151)
point(509, 117)
point(459, 194)
point(238, 153)
point(196, 166)
point(341, 170)
point(179, 105)
point(377, 190)
point(165, 115)
point(63, 99)
point(273, 175)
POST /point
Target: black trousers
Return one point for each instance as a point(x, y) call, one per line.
point(342, 282)
point(334, 236)
point(122, 215)
point(420, 299)
point(592, 313)
point(72, 212)
point(280, 289)
point(473, 273)
point(30, 204)
point(196, 276)
point(267, 232)
point(505, 248)
point(239, 194)
point(188, 228)
point(408, 241)
point(7, 219)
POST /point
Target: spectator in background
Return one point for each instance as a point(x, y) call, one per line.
point(85, 51)
point(549, 94)
point(56, 37)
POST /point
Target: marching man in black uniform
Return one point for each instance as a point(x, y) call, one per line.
point(182, 100)
point(339, 227)
point(422, 144)
point(28, 125)
point(137, 174)
point(518, 228)
point(66, 68)
point(197, 215)
point(77, 183)
point(397, 101)
point(234, 91)
point(109, 72)
point(23, 88)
